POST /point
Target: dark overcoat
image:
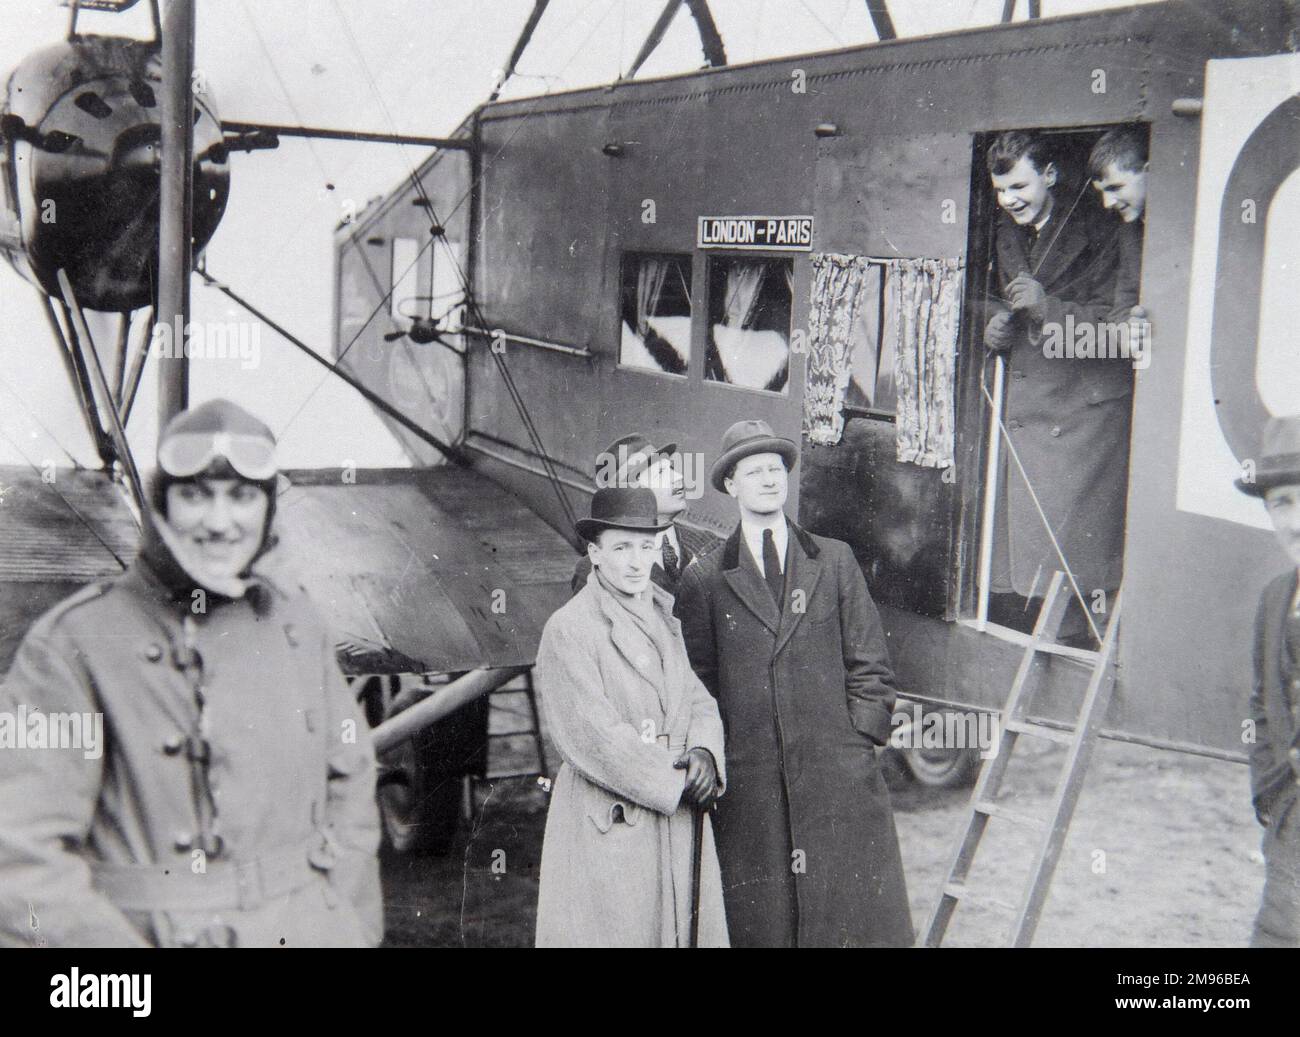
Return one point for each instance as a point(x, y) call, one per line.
point(1274, 707)
point(1067, 418)
point(1275, 763)
point(805, 833)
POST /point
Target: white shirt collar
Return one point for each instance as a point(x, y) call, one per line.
point(752, 534)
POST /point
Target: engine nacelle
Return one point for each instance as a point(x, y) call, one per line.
point(80, 170)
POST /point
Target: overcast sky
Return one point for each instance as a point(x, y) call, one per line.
point(409, 66)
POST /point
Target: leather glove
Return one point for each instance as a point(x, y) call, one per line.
point(701, 776)
point(1027, 296)
point(997, 335)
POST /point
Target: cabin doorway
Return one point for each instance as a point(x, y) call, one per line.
point(1052, 412)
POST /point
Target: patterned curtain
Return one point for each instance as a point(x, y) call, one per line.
point(922, 310)
point(837, 294)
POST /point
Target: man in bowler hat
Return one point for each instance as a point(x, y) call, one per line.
point(632, 460)
point(1275, 693)
point(642, 745)
point(780, 627)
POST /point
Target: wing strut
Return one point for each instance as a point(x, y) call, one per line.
point(884, 24)
point(710, 38)
point(656, 36)
point(521, 44)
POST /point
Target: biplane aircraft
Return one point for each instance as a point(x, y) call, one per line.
point(646, 254)
point(87, 195)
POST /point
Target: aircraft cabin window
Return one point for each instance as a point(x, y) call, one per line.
point(750, 307)
point(656, 310)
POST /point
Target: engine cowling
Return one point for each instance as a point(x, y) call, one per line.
point(81, 170)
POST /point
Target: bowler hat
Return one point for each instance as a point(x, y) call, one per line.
point(745, 438)
point(1278, 463)
point(621, 507)
point(626, 458)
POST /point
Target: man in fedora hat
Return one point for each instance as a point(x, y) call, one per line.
point(232, 802)
point(780, 627)
point(642, 746)
point(633, 460)
point(1275, 694)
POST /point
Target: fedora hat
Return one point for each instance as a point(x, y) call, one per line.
point(626, 458)
point(620, 507)
point(745, 438)
point(1278, 463)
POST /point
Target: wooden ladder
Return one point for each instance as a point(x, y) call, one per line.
point(1081, 741)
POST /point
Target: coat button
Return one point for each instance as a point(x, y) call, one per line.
point(174, 745)
point(291, 635)
point(183, 843)
point(153, 653)
point(1056, 430)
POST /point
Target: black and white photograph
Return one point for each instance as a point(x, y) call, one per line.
point(668, 474)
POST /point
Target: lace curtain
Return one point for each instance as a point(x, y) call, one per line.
point(918, 330)
point(922, 311)
point(837, 292)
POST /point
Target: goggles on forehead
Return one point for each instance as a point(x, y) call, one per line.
point(187, 454)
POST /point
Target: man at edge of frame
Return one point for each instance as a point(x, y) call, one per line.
point(1275, 691)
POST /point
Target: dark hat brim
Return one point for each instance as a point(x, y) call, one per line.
point(766, 445)
point(590, 528)
point(1265, 481)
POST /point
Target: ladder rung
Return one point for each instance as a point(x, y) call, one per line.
point(1087, 655)
point(960, 891)
point(1052, 734)
point(512, 734)
point(983, 806)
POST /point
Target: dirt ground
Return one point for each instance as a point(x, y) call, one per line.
point(1164, 851)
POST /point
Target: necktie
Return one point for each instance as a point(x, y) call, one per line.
point(670, 560)
point(772, 568)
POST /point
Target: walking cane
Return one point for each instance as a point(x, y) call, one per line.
point(697, 852)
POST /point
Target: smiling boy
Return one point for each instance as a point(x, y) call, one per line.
point(1118, 167)
point(1067, 418)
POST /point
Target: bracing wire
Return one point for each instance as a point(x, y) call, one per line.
point(507, 377)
